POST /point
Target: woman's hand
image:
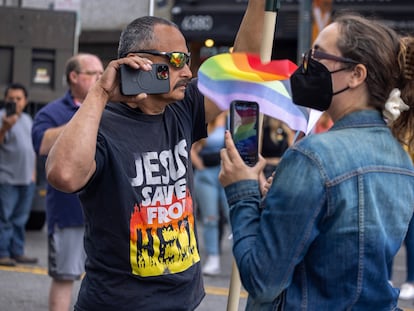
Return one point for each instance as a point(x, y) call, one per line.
point(233, 168)
point(265, 184)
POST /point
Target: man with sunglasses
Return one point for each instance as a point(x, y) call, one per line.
point(128, 158)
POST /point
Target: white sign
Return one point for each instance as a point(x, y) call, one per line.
point(197, 23)
point(67, 5)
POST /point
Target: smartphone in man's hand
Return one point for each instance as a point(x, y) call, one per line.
point(244, 127)
point(10, 108)
point(136, 81)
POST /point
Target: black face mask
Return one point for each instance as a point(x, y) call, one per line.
point(313, 89)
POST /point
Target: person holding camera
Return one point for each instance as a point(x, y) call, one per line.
point(17, 175)
point(128, 157)
point(65, 223)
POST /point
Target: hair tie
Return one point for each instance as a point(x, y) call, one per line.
point(394, 106)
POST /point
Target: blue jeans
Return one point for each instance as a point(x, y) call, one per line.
point(210, 197)
point(15, 205)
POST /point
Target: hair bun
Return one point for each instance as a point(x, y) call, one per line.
point(407, 55)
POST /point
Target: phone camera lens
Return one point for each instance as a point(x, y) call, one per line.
point(162, 72)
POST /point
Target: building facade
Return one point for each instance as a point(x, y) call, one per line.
point(48, 31)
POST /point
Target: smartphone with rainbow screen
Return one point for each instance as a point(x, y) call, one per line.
point(244, 127)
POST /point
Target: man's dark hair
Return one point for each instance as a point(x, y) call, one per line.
point(139, 34)
point(16, 86)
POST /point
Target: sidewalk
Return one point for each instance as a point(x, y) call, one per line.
point(35, 287)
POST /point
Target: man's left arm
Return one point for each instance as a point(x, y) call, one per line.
point(248, 39)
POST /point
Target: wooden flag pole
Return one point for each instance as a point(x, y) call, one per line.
point(234, 289)
point(266, 47)
point(271, 10)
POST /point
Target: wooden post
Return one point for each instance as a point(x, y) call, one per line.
point(271, 11)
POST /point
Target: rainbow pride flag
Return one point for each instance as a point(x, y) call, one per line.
point(242, 76)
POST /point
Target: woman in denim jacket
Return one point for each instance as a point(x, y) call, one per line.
point(341, 201)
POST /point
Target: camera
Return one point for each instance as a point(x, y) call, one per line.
point(136, 81)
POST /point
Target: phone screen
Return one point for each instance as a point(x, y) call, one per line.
point(244, 124)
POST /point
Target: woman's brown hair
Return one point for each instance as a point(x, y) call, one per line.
point(389, 59)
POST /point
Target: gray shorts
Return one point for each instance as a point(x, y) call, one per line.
point(66, 254)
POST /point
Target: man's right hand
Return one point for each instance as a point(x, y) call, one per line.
point(109, 82)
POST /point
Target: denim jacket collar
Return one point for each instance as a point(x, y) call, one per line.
point(362, 118)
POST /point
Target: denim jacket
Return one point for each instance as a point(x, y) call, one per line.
point(335, 215)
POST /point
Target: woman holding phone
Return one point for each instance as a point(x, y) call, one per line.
point(341, 201)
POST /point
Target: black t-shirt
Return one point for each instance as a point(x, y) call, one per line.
point(140, 235)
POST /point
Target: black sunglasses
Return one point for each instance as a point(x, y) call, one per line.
point(316, 54)
point(175, 59)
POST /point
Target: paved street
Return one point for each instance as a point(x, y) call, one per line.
point(25, 288)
